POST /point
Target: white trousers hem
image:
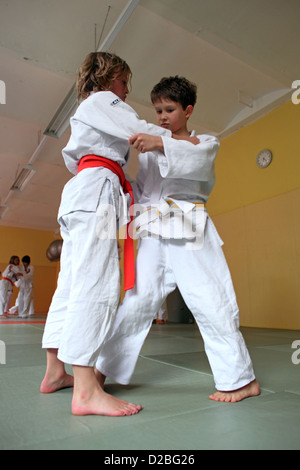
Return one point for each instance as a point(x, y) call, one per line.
point(50, 346)
point(237, 386)
point(113, 377)
point(75, 362)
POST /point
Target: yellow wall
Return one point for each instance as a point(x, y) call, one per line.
point(256, 212)
point(20, 242)
point(239, 181)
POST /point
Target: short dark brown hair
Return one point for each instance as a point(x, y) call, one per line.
point(178, 89)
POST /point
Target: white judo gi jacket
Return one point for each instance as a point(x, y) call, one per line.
point(171, 190)
point(87, 295)
point(6, 285)
point(183, 175)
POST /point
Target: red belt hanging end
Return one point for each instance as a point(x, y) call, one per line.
point(90, 161)
point(129, 262)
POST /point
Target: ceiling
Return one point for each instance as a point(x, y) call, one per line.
point(243, 55)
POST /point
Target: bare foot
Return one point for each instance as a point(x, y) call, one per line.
point(250, 390)
point(53, 384)
point(101, 403)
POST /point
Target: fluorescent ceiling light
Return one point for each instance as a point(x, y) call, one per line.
point(3, 210)
point(61, 119)
point(23, 177)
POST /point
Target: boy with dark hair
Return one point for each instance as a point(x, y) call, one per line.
point(183, 250)
point(177, 89)
point(25, 297)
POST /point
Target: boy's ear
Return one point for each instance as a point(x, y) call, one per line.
point(189, 110)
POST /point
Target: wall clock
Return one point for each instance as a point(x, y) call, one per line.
point(264, 158)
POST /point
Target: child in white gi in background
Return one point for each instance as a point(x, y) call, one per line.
point(25, 298)
point(87, 295)
point(179, 177)
point(16, 261)
point(10, 276)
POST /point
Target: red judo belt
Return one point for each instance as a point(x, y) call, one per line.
point(6, 279)
point(91, 161)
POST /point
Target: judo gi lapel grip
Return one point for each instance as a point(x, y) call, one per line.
point(90, 161)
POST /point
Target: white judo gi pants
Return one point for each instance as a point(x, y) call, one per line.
point(204, 281)
point(8, 300)
point(4, 290)
point(25, 300)
point(88, 290)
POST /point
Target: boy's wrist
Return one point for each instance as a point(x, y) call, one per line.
point(160, 144)
point(146, 142)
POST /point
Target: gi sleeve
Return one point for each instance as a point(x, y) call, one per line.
point(14, 269)
point(182, 159)
point(143, 173)
point(107, 113)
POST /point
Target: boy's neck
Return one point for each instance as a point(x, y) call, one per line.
point(182, 134)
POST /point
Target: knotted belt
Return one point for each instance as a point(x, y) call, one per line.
point(92, 161)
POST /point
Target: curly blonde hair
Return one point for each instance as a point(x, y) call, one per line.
point(98, 71)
